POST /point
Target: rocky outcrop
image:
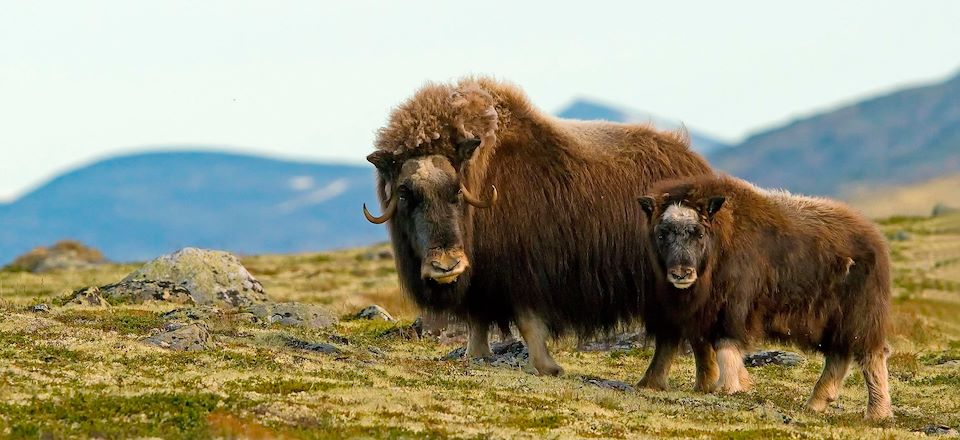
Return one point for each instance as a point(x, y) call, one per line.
point(64, 255)
point(192, 276)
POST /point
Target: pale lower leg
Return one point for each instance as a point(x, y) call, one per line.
point(827, 389)
point(657, 375)
point(478, 346)
point(733, 376)
point(535, 334)
point(874, 366)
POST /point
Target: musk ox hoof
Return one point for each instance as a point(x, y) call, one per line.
point(658, 384)
point(878, 414)
point(548, 370)
point(705, 388)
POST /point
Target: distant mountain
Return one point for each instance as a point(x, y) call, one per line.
point(587, 109)
point(903, 137)
point(137, 207)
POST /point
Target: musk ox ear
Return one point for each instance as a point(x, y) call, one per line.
point(647, 203)
point(465, 149)
point(382, 159)
point(714, 204)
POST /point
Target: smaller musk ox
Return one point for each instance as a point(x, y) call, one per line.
point(499, 213)
point(738, 264)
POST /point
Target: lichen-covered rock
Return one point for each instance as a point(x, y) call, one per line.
point(318, 347)
point(609, 384)
point(512, 354)
point(375, 312)
point(88, 297)
point(190, 275)
point(775, 357)
point(195, 313)
point(181, 337)
point(292, 313)
point(63, 255)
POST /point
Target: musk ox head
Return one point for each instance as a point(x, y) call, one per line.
point(681, 235)
point(423, 158)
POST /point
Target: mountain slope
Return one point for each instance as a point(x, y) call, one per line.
point(587, 109)
point(136, 207)
point(903, 137)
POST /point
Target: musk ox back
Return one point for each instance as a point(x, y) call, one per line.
point(499, 213)
point(737, 264)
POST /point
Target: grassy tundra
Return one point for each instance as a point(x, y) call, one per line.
point(82, 372)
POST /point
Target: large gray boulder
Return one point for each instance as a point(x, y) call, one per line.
point(191, 276)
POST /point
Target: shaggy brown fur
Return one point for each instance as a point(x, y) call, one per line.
point(769, 265)
point(559, 251)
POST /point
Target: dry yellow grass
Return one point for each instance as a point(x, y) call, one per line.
point(77, 372)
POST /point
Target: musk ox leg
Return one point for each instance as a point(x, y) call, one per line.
point(657, 375)
point(827, 389)
point(874, 366)
point(733, 375)
point(535, 334)
point(707, 371)
point(478, 346)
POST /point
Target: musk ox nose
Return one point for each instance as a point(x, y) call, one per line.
point(444, 266)
point(682, 276)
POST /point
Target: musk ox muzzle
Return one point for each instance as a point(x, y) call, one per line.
point(682, 276)
point(444, 266)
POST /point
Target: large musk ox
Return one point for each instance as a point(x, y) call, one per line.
point(499, 213)
point(738, 264)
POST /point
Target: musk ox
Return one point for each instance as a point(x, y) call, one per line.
point(737, 264)
point(499, 213)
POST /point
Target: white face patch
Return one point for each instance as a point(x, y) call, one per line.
point(428, 169)
point(678, 213)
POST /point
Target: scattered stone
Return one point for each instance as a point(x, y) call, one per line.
point(609, 384)
point(408, 332)
point(292, 313)
point(337, 339)
point(64, 255)
point(181, 337)
point(511, 354)
point(949, 363)
point(775, 357)
point(318, 347)
point(40, 308)
point(383, 254)
point(190, 275)
point(88, 297)
point(900, 235)
point(196, 313)
point(622, 341)
point(938, 430)
point(770, 412)
point(375, 312)
point(943, 209)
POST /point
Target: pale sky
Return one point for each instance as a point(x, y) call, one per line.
point(313, 80)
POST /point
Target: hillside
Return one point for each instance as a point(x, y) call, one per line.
point(81, 371)
point(588, 109)
point(915, 200)
point(137, 207)
point(903, 137)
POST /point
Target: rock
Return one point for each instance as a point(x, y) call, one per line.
point(88, 297)
point(318, 347)
point(900, 235)
point(375, 312)
point(770, 412)
point(775, 357)
point(196, 313)
point(511, 354)
point(375, 255)
point(40, 308)
point(609, 384)
point(943, 209)
point(292, 313)
point(190, 275)
point(181, 337)
point(622, 341)
point(64, 255)
point(938, 430)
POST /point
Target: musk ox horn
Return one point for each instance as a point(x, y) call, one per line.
point(387, 215)
point(476, 202)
